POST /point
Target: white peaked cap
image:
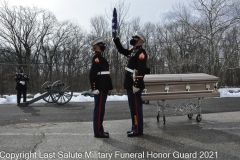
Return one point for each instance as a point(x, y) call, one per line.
point(97, 40)
point(140, 35)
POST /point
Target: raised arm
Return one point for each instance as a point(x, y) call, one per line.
point(120, 48)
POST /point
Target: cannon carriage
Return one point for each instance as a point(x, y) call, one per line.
point(57, 92)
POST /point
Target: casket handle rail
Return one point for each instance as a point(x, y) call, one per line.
point(207, 86)
point(188, 87)
point(215, 86)
point(167, 88)
point(145, 90)
point(178, 92)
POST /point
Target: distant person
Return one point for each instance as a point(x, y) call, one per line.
point(21, 79)
point(133, 81)
point(101, 83)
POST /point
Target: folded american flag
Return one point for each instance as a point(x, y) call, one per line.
point(114, 23)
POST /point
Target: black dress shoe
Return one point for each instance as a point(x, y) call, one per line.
point(132, 134)
point(104, 135)
point(129, 132)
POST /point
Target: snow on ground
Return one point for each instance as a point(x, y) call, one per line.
point(77, 97)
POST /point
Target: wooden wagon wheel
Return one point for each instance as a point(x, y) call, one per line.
point(46, 88)
point(61, 92)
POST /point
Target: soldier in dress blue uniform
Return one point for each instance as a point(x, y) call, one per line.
point(101, 83)
point(133, 82)
point(21, 79)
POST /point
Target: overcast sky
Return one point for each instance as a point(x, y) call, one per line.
point(81, 11)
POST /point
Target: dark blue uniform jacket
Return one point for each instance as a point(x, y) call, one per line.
point(101, 82)
point(137, 59)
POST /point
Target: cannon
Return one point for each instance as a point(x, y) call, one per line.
point(58, 92)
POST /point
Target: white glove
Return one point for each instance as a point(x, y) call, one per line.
point(135, 89)
point(95, 91)
point(22, 82)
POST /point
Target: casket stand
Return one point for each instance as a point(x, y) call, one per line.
point(163, 87)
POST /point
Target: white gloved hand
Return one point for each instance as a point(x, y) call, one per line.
point(135, 89)
point(22, 82)
point(95, 91)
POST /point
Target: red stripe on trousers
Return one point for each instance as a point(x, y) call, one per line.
point(99, 114)
point(136, 112)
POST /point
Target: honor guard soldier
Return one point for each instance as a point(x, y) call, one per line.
point(101, 83)
point(133, 82)
point(21, 79)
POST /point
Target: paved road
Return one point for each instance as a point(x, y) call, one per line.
point(47, 131)
point(82, 112)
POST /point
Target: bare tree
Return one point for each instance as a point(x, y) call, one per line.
point(52, 45)
point(22, 30)
point(215, 18)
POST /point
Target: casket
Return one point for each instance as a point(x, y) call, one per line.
point(179, 86)
point(163, 87)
